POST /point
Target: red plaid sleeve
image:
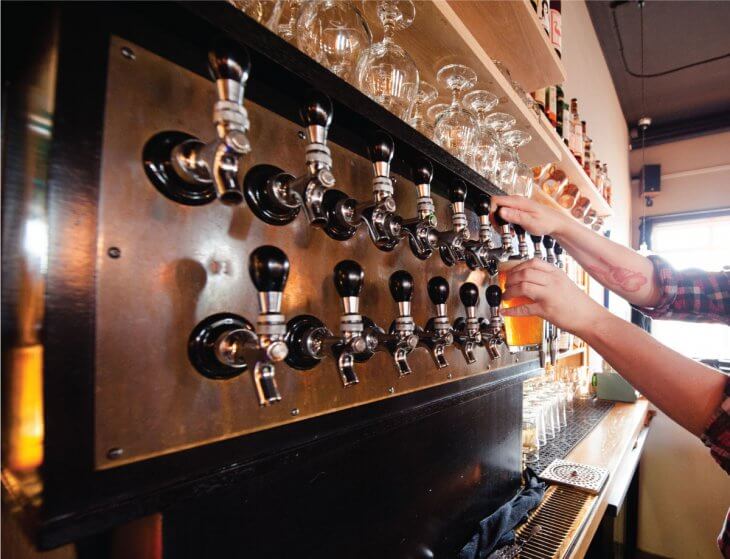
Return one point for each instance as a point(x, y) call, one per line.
point(717, 434)
point(694, 295)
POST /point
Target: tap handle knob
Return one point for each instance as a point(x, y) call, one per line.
point(557, 249)
point(494, 296)
point(423, 172)
point(438, 290)
point(381, 151)
point(348, 277)
point(498, 219)
point(469, 294)
point(484, 201)
point(229, 62)
point(457, 192)
point(548, 242)
point(536, 239)
point(401, 286)
point(519, 230)
point(269, 268)
point(316, 114)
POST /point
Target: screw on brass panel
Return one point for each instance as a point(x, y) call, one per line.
point(391, 390)
point(449, 375)
point(114, 453)
point(294, 412)
point(114, 252)
point(301, 135)
point(128, 53)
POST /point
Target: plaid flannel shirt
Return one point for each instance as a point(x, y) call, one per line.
point(699, 296)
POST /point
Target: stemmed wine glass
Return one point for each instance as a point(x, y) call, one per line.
point(265, 12)
point(455, 129)
point(508, 157)
point(333, 32)
point(524, 181)
point(285, 25)
point(495, 123)
point(384, 68)
point(423, 94)
point(484, 148)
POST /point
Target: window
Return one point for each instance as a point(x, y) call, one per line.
point(693, 243)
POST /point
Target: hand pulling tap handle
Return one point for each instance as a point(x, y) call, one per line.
point(537, 245)
point(549, 243)
point(504, 229)
point(316, 114)
point(230, 66)
point(268, 267)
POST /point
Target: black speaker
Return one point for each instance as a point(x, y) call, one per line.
point(652, 183)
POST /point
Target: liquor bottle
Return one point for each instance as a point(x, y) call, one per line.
point(543, 13)
point(540, 98)
point(607, 193)
point(598, 177)
point(575, 142)
point(559, 102)
point(551, 105)
point(556, 27)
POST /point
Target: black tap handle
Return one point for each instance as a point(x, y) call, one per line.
point(422, 172)
point(457, 192)
point(438, 290)
point(494, 295)
point(484, 201)
point(548, 242)
point(469, 294)
point(349, 278)
point(557, 249)
point(317, 111)
point(519, 230)
point(228, 61)
point(499, 220)
point(269, 268)
point(381, 148)
point(401, 286)
point(536, 239)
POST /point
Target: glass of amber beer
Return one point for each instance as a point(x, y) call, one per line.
point(523, 333)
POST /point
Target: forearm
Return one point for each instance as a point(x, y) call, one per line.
point(616, 267)
point(687, 391)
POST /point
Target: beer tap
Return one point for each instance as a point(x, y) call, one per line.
point(549, 243)
point(225, 345)
point(522, 249)
point(309, 340)
point(438, 334)
point(482, 253)
point(552, 333)
point(378, 214)
point(192, 172)
point(493, 332)
point(451, 241)
point(401, 338)
point(275, 196)
point(537, 245)
point(558, 250)
point(467, 334)
point(505, 232)
point(421, 230)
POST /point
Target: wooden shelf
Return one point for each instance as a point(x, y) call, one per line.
point(571, 352)
point(510, 31)
point(576, 174)
point(438, 37)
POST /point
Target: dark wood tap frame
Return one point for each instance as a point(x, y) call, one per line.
point(440, 458)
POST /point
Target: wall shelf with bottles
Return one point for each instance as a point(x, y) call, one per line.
point(510, 31)
point(576, 174)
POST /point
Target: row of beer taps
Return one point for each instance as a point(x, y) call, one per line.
point(193, 172)
point(225, 345)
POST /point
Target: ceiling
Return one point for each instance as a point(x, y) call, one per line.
point(685, 103)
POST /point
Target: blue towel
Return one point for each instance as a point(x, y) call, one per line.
point(497, 529)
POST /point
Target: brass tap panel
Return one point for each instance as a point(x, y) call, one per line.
point(162, 267)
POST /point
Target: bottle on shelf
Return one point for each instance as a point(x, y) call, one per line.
point(543, 14)
point(607, 194)
point(540, 98)
point(587, 160)
point(598, 177)
point(575, 140)
point(551, 105)
point(559, 110)
point(556, 27)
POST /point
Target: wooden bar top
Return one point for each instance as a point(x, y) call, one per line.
point(610, 444)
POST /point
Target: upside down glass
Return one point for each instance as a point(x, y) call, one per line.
point(523, 333)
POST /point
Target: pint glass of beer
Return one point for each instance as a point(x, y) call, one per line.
point(523, 333)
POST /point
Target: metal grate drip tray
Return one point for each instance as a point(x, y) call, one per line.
point(560, 517)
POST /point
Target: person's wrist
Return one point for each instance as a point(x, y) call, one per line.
point(563, 227)
point(592, 315)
